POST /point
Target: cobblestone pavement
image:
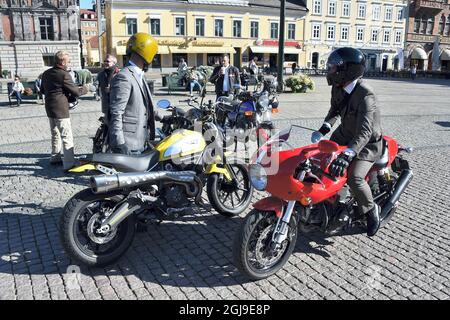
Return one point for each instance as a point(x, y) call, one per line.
point(191, 258)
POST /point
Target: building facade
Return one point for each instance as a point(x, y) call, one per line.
point(376, 27)
point(89, 30)
point(200, 31)
point(32, 31)
point(428, 35)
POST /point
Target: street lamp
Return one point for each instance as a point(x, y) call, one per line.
point(281, 46)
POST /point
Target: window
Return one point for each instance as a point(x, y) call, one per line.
point(155, 27)
point(376, 12)
point(254, 29)
point(317, 7)
point(218, 28)
point(359, 34)
point(423, 24)
point(49, 60)
point(416, 25)
point(386, 36)
point(361, 10)
point(441, 25)
point(398, 36)
point(200, 27)
point(291, 31)
point(180, 26)
point(237, 28)
point(374, 37)
point(344, 33)
point(131, 26)
point(447, 26)
point(332, 8)
point(388, 14)
point(274, 30)
point(331, 31)
point(46, 26)
point(430, 25)
point(316, 31)
point(346, 9)
point(399, 14)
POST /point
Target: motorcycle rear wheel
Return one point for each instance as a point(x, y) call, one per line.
point(252, 244)
point(78, 224)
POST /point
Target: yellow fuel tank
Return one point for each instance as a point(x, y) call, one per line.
point(180, 144)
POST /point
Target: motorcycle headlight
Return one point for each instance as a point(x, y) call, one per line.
point(258, 177)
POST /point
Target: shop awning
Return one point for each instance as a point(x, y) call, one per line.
point(163, 50)
point(445, 55)
point(272, 49)
point(229, 50)
point(419, 53)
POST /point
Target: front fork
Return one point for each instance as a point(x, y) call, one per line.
point(282, 228)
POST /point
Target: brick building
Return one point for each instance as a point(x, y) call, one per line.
point(429, 24)
point(31, 31)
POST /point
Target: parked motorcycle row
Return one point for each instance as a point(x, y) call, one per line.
point(197, 148)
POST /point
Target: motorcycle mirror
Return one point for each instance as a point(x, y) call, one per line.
point(328, 146)
point(163, 104)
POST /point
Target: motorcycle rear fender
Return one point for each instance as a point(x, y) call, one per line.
point(272, 204)
point(214, 168)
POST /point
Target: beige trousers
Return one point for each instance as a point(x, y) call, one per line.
point(61, 131)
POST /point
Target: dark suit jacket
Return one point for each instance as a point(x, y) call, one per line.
point(218, 79)
point(360, 127)
point(132, 120)
point(104, 84)
point(57, 85)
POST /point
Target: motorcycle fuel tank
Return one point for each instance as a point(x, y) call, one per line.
point(180, 144)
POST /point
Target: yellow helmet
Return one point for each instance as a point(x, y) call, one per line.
point(144, 45)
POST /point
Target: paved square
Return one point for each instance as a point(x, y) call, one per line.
point(191, 258)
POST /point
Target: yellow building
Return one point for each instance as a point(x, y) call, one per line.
point(200, 31)
point(376, 27)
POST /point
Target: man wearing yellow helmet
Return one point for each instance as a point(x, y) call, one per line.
point(132, 122)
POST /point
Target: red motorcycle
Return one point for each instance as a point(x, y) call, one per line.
point(305, 197)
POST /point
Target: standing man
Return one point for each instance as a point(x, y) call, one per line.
point(226, 78)
point(132, 122)
point(58, 86)
point(413, 72)
point(353, 101)
point(253, 66)
point(104, 79)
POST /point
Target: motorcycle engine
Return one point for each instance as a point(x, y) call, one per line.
point(175, 196)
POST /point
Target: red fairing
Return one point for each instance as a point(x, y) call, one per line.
point(281, 181)
point(392, 147)
point(271, 204)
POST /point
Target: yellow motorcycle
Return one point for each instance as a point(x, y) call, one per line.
point(98, 224)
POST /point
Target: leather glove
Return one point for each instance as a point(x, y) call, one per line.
point(342, 162)
point(122, 149)
point(316, 136)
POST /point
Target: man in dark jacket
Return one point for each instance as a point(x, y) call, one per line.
point(58, 86)
point(226, 78)
point(104, 79)
point(353, 101)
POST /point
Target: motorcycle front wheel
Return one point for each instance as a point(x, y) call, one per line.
point(253, 251)
point(79, 222)
point(230, 198)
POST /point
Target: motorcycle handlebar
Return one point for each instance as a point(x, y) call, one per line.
point(317, 169)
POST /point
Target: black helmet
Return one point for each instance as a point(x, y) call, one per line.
point(344, 65)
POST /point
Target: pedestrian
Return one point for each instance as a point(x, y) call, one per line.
point(38, 89)
point(104, 78)
point(17, 90)
point(254, 69)
point(58, 87)
point(354, 103)
point(294, 68)
point(132, 121)
point(194, 80)
point(413, 71)
point(226, 78)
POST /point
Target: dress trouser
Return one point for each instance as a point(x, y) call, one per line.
point(357, 173)
point(61, 131)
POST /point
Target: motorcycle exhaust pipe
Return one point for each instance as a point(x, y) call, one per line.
point(106, 183)
point(401, 185)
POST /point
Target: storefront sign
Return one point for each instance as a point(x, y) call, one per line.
point(275, 43)
point(166, 42)
point(207, 43)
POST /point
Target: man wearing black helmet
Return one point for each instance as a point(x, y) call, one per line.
point(353, 101)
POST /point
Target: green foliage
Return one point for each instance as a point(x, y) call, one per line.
point(300, 83)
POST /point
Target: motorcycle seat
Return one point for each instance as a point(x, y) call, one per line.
point(128, 163)
point(384, 159)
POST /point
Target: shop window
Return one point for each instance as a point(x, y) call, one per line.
point(214, 59)
point(176, 57)
point(156, 63)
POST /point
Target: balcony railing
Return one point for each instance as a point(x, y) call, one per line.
point(430, 4)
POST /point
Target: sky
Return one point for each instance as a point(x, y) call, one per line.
point(86, 4)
